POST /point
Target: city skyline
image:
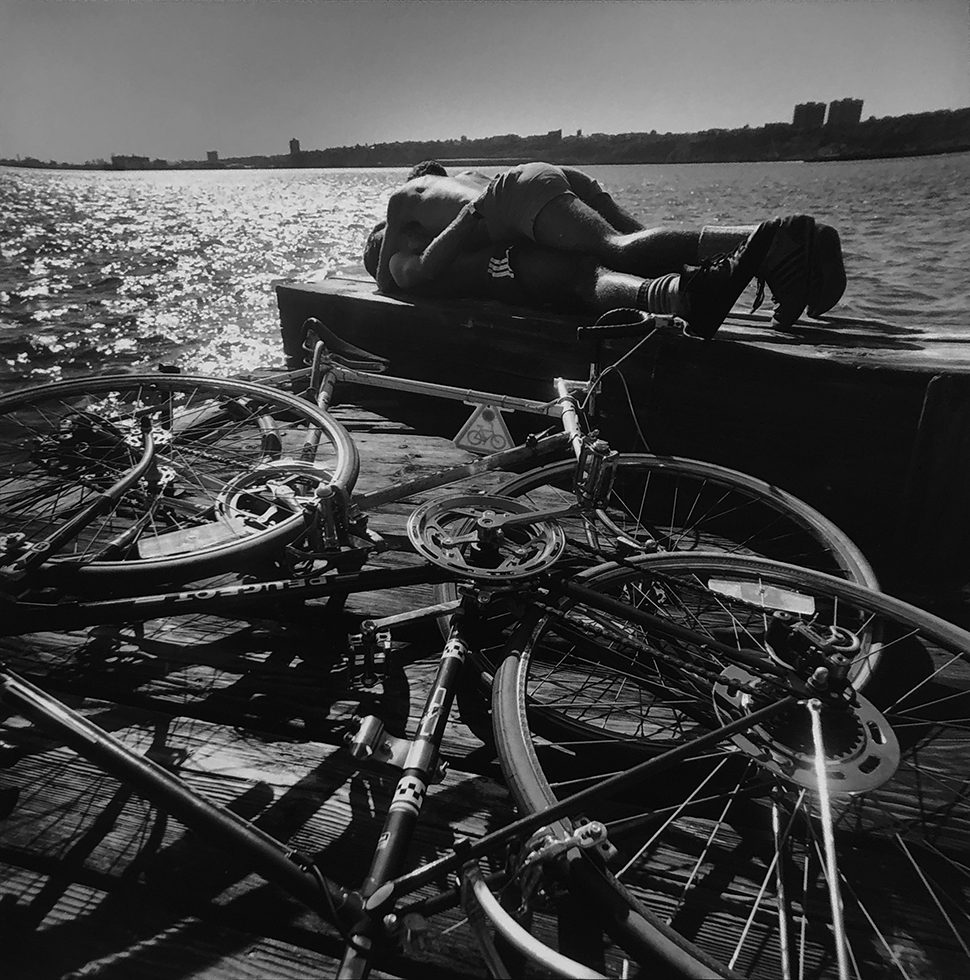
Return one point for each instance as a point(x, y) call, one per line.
point(810, 115)
point(85, 80)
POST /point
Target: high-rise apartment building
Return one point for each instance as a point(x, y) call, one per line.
point(844, 112)
point(809, 115)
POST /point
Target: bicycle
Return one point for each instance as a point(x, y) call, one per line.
point(679, 675)
point(723, 715)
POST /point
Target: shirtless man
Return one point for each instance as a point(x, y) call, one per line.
point(563, 208)
point(526, 274)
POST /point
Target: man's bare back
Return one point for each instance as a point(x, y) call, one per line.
point(430, 204)
point(433, 202)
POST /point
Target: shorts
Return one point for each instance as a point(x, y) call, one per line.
point(500, 274)
point(513, 198)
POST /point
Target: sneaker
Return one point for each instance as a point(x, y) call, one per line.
point(710, 290)
point(787, 268)
point(827, 282)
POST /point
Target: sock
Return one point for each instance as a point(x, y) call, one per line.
point(661, 295)
point(716, 239)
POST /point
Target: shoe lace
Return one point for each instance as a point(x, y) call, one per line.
point(712, 261)
point(708, 264)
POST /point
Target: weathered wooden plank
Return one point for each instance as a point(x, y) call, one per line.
point(70, 820)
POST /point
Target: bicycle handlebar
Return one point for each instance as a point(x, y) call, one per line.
point(625, 323)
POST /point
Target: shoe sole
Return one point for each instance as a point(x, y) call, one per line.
point(803, 226)
point(827, 283)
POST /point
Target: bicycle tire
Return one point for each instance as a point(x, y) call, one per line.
point(702, 506)
point(703, 866)
point(64, 442)
point(743, 512)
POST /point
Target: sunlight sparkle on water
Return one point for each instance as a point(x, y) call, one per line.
point(126, 270)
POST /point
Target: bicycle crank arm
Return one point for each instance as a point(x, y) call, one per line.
point(529, 517)
point(412, 616)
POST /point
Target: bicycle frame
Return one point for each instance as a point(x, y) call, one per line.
point(366, 916)
point(333, 522)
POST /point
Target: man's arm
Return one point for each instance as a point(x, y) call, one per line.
point(464, 276)
point(396, 217)
point(409, 270)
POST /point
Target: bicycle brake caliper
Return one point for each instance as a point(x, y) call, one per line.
point(545, 844)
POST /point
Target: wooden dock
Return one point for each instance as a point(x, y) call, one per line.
point(866, 421)
point(97, 883)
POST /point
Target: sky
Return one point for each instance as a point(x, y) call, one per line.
point(172, 79)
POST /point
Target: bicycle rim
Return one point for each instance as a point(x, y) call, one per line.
point(731, 849)
point(686, 505)
point(224, 450)
point(675, 504)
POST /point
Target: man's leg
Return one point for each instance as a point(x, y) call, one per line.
point(591, 192)
point(702, 295)
point(567, 223)
point(550, 276)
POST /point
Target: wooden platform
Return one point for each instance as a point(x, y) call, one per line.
point(98, 883)
point(867, 421)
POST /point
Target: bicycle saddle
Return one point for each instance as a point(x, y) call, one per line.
point(343, 352)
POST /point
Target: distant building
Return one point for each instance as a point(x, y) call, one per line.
point(124, 162)
point(212, 156)
point(809, 115)
point(294, 148)
point(844, 112)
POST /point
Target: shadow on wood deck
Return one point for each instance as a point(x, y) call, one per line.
point(97, 882)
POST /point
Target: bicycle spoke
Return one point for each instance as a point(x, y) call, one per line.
point(793, 849)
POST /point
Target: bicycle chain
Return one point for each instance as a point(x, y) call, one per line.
point(706, 673)
point(212, 456)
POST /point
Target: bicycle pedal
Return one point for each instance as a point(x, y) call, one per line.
point(167, 758)
point(414, 933)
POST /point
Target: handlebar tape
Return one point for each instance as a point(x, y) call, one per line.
point(621, 323)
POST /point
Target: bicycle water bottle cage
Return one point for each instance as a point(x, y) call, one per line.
point(595, 471)
point(340, 351)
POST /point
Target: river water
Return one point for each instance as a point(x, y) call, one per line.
point(106, 271)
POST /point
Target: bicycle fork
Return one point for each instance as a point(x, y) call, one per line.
point(419, 762)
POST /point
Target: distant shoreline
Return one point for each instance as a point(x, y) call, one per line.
point(920, 134)
point(480, 162)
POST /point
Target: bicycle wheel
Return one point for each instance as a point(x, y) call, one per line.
point(229, 470)
point(667, 503)
point(743, 849)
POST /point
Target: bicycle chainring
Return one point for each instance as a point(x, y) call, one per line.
point(468, 535)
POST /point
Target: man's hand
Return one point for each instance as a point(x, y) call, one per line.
point(442, 250)
point(406, 270)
